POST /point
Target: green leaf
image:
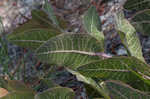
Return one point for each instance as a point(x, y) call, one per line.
point(1, 26)
point(127, 69)
point(4, 56)
point(35, 32)
point(39, 20)
point(129, 37)
point(42, 18)
point(56, 93)
point(18, 95)
point(18, 86)
point(18, 90)
point(90, 82)
point(70, 50)
point(137, 5)
point(46, 82)
point(32, 39)
point(92, 24)
point(50, 83)
point(3, 83)
point(48, 8)
point(119, 90)
point(141, 21)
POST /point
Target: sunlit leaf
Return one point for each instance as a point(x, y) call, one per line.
point(56, 93)
point(69, 50)
point(129, 37)
point(119, 90)
point(92, 24)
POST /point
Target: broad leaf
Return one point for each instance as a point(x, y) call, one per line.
point(137, 5)
point(129, 37)
point(127, 69)
point(35, 32)
point(90, 82)
point(92, 24)
point(32, 38)
point(56, 93)
point(141, 21)
point(119, 90)
point(70, 50)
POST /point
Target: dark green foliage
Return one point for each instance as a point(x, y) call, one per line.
point(105, 77)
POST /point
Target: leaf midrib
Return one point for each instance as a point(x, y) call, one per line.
point(111, 70)
point(69, 51)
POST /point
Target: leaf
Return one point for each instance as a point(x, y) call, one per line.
point(18, 95)
point(50, 83)
point(44, 19)
point(3, 83)
point(56, 93)
point(3, 92)
point(32, 38)
point(18, 86)
point(48, 8)
point(1, 26)
point(141, 21)
point(90, 82)
point(127, 69)
point(92, 24)
point(69, 50)
point(137, 5)
point(46, 82)
point(129, 37)
point(18, 90)
point(119, 90)
point(41, 17)
point(39, 20)
point(35, 32)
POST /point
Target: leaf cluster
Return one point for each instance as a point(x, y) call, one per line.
point(82, 54)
